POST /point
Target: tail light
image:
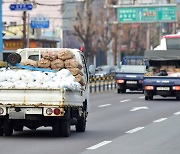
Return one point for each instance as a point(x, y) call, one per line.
point(120, 81)
point(176, 87)
point(148, 87)
point(56, 111)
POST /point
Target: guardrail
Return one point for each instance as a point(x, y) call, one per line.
point(98, 84)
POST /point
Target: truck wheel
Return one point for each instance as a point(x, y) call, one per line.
point(56, 128)
point(13, 58)
point(18, 128)
point(146, 98)
point(151, 97)
point(65, 128)
point(118, 91)
point(1, 127)
point(123, 90)
point(81, 125)
point(18, 57)
point(178, 98)
point(7, 128)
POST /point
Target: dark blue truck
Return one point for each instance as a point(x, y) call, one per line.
point(163, 74)
point(131, 73)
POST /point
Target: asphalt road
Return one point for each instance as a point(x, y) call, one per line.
point(117, 124)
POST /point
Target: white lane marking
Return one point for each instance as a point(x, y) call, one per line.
point(98, 145)
point(177, 113)
point(139, 108)
point(126, 100)
point(104, 105)
point(142, 97)
point(134, 130)
point(159, 120)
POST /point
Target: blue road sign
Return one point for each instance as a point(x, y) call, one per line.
point(40, 24)
point(21, 7)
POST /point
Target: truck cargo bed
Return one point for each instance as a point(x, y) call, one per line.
point(40, 97)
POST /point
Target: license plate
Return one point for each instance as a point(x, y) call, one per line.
point(131, 82)
point(163, 88)
point(16, 115)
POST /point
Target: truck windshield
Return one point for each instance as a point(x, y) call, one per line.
point(132, 61)
point(173, 43)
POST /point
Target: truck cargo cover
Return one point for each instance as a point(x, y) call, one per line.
point(162, 55)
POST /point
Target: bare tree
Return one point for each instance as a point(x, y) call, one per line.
point(84, 28)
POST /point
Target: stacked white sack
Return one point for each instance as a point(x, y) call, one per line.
point(37, 79)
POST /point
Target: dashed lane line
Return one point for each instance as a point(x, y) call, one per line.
point(139, 108)
point(160, 120)
point(134, 130)
point(126, 100)
point(98, 145)
point(104, 105)
point(177, 113)
point(142, 97)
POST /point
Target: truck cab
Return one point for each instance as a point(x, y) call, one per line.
point(131, 73)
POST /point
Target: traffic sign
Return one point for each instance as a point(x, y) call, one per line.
point(21, 7)
point(167, 13)
point(40, 24)
point(146, 14)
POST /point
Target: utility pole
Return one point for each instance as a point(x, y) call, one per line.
point(24, 28)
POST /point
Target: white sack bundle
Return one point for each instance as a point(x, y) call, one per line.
point(2, 76)
point(6, 84)
point(51, 85)
point(42, 78)
point(20, 84)
point(27, 77)
point(34, 85)
point(50, 74)
point(63, 73)
point(71, 85)
point(12, 76)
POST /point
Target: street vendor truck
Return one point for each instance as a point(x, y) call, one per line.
point(32, 107)
point(163, 74)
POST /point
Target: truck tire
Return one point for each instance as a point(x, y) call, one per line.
point(18, 57)
point(177, 98)
point(7, 128)
point(65, 128)
point(118, 91)
point(123, 90)
point(56, 128)
point(81, 125)
point(150, 97)
point(146, 98)
point(13, 58)
point(1, 127)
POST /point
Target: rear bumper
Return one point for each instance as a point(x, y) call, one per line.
point(170, 93)
point(24, 112)
point(137, 86)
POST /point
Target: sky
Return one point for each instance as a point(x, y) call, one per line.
point(53, 12)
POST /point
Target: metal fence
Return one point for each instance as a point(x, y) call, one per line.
point(98, 84)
